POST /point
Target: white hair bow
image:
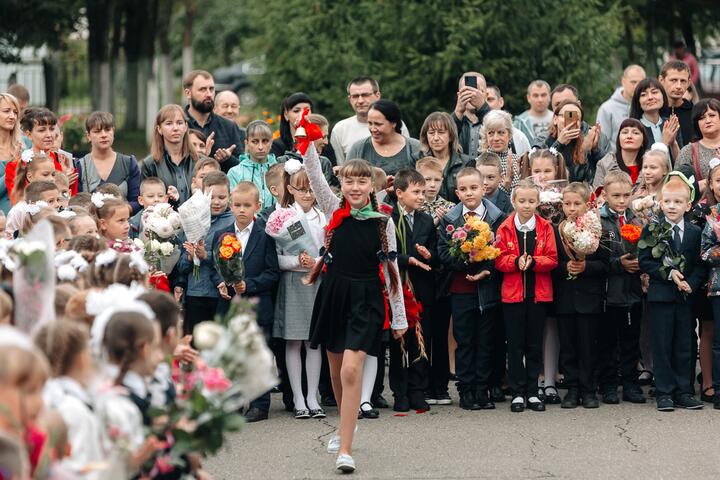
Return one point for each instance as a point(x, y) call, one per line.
point(98, 199)
point(293, 166)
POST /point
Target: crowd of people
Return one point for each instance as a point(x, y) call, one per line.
point(599, 261)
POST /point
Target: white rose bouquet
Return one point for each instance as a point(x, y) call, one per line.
point(161, 227)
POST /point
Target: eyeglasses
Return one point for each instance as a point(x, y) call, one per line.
point(358, 96)
point(302, 191)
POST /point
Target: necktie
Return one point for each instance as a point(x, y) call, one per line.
point(676, 237)
point(409, 220)
point(621, 219)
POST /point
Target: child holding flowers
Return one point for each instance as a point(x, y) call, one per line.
point(527, 256)
point(623, 306)
point(297, 228)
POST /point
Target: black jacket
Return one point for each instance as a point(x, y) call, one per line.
point(663, 290)
point(502, 201)
point(488, 290)
point(585, 293)
point(684, 114)
point(422, 233)
point(455, 164)
point(464, 127)
point(227, 133)
point(623, 288)
point(179, 176)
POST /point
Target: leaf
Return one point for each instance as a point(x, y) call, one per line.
point(658, 250)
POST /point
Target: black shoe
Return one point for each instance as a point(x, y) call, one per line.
point(590, 400)
point(665, 403)
point(497, 395)
point(571, 399)
point(516, 406)
point(468, 401)
point(633, 393)
point(402, 404)
point(288, 402)
point(688, 402)
point(483, 399)
point(256, 415)
point(419, 403)
point(610, 395)
point(317, 413)
point(302, 414)
point(370, 414)
point(379, 402)
point(443, 398)
point(537, 405)
point(552, 397)
point(716, 402)
point(328, 401)
point(705, 397)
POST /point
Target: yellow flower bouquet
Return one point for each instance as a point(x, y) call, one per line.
point(473, 242)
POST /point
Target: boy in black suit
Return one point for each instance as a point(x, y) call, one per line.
point(489, 165)
point(580, 287)
point(670, 295)
point(474, 294)
point(417, 242)
point(262, 271)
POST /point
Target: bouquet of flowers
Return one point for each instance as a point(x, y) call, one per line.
point(161, 226)
point(228, 259)
point(473, 242)
point(630, 234)
point(581, 237)
point(645, 208)
point(195, 220)
point(660, 240)
point(291, 231)
point(550, 204)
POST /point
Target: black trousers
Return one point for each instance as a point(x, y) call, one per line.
point(671, 342)
point(619, 345)
point(715, 301)
point(408, 377)
point(524, 325)
point(499, 357)
point(198, 309)
point(473, 332)
point(379, 386)
point(435, 324)
point(578, 350)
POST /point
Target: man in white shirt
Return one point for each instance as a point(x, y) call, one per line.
point(362, 93)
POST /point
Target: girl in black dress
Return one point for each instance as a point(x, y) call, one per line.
point(349, 311)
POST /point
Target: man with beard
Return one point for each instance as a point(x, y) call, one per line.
point(199, 89)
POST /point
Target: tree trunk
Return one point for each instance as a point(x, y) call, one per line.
point(98, 14)
point(135, 21)
point(629, 43)
point(147, 54)
point(164, 68)
point(688, 33)
point(651, 61)
point(152, 101)
point(187, 51)
point(115, 45)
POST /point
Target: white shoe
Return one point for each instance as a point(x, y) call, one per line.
point(345, 463)
point(334, 443)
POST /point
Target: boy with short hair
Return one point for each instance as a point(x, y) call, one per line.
point(670, 294)
point(434, 205)
point(255, 162)
point(152, 192)
point(474, 293)
point(578, 306)
point(203, 166)
point(200, 291)
point(489, 165)
point(623, 304)
point(35, 192)
point(262, 271)
point(417, 253)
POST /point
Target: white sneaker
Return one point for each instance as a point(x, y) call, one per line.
point(334, 443)
point(345, 463)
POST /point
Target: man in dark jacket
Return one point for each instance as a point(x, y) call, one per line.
point(470, 110)
point(675, 78)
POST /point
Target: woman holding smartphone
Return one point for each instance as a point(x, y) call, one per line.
point(566, 137)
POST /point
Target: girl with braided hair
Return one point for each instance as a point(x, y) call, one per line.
point(359, 260)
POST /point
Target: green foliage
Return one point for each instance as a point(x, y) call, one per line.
point(418, 50)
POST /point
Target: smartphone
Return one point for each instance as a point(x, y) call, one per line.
point(571, 117)
point(471, 81)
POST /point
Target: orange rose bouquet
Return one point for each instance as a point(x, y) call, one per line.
point(228, 259)
point(630, 234)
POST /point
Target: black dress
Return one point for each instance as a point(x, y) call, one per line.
point(349, 310)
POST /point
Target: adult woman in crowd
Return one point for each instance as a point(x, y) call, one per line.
point(495, 135)
point(439, 139)
point(706, 122)
point(105, 165)
point(630, 145)
point(647, 101)
point(386, 148)
point(568, 140)
point(10, 143)
point(172, 158)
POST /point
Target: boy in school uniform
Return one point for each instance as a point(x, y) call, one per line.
point(578, 306)
point(152, 192)
point(489, 165)
point(474, 293)
point(671, 294)
point(262, 271)
point(620, 337)
point(417, 253)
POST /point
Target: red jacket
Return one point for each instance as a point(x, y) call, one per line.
point(545, 260)
point(11, 168)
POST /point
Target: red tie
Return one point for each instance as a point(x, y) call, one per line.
point(621, 219)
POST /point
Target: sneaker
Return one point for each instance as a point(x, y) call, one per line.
point(345, 463)
point(443, 399)
point(468, 401)
point(334, 442)
point(688, 402)
point(665, 403)
point(431, 399)
point(482, 398)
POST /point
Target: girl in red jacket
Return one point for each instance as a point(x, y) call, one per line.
point(527, 256)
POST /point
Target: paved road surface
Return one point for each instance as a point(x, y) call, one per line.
point(615, 441)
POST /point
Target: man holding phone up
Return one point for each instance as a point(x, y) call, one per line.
point(470, 110)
